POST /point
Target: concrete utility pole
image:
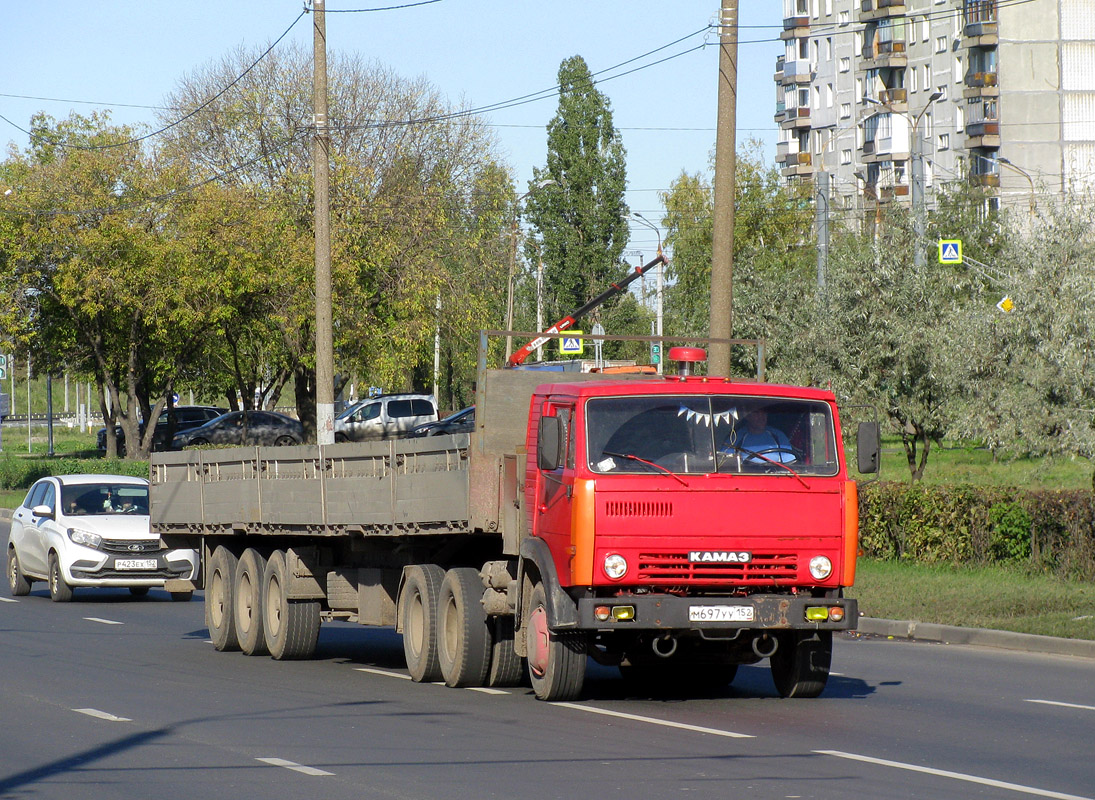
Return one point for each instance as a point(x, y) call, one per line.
point(722, 246)
point(821, 221)
point(325, 356)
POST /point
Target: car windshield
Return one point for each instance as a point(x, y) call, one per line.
point(703, 434)
point(104, 498)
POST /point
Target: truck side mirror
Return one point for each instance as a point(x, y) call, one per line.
point(868, 447)
point(549, 444)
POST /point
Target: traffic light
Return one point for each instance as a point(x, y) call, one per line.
point(3, 367)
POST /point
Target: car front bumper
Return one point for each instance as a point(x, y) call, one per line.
point(85, 566)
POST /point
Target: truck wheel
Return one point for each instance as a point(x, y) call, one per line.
point(18, 582)
point(464, 637)
point(506, 667)
point(800, 665)
point(418, 611)
point(220, 610)
point(59, 590)
point(556, 661)
point(292, 626)
point(182, 597)
point(247, 591)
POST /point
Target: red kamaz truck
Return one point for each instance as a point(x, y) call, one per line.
point(653, 523)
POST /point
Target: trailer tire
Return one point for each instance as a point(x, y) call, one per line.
point(463, 633)
point(800, 665)
point(418, 618)
point(247, 591)
point(556, 661)
point(506, 667)
point(220, 608)
point(291, 626)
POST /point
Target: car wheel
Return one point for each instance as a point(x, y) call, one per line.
point(59, 590)
point(138, 591)
point(340, 438)
point(18, 582)
point(284, 441)
point(196, 442)
point(182, 597)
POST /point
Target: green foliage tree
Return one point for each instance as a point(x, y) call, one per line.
point(581, 219)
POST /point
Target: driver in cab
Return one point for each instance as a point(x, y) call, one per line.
point(766, 443)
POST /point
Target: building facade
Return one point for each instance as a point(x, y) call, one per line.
point(892, 97)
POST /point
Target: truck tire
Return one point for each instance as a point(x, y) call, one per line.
point(59, 590)
point(220, 609)
point(556, 661)
point(506, 667)
point(418, 613)
point(464, 635)
point(247, 591)
point(18, 582)
point(800, 665)
point(292, 626)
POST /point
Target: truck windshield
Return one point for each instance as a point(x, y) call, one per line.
point(701, 434)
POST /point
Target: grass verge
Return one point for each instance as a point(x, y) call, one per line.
point(976, 597)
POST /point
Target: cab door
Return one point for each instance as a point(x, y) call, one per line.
point(555, 493)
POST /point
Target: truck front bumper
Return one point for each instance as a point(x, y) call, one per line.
point(756, 612)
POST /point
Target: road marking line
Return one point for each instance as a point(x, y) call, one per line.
point(486, 690)
point(7, 600)
point(94, 712)
point(653, 721)
point(104, 621)
point(1065, 705)
point(281, 762)
point(959, 776)
point(384, 672)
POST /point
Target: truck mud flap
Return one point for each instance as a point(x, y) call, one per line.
point(561, 609)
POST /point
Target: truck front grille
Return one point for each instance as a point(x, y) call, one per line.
point(638, 508)
point(675, 568)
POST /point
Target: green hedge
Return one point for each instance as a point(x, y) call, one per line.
point(1051, 531)
point(20, 472)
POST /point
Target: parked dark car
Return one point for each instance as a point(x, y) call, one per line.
point(186, 417)
point(243, 428)
point(463, 421)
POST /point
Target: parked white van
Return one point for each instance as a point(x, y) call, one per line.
point(388, 416)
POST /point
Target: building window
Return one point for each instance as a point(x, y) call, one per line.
point(844, 18)
point(828, 95)
point(845, 110)
point(828, 49)
point(944, 142)
point(925, 31)
point(927, 75)
point(828, 8)
point(943, 92)
point(817, 97)
point(845, 64)
point(941, 44)
point(845, 157)
point(913, 81)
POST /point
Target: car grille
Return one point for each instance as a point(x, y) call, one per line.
point(675, 569)
point(143, 546)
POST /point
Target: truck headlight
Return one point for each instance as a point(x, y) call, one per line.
point(86, 538)
point(821, 567)
point(615, 566)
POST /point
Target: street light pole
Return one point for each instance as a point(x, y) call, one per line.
point(660, 285)
point(919, 222)
point(513, 261)
point(1026, 175)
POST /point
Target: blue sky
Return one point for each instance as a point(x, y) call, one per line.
point(126, 55)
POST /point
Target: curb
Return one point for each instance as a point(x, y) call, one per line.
point(981, 637)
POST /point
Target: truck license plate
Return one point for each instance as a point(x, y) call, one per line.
point(720, 613)
point(135, 563)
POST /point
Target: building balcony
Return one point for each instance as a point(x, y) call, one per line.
point(879, 55)
point(896, 99)
point(796, 118)
point(795, 27)
point(886, 193)
point(778, 76)
point(980, 35)
point(978, 80)
point(881, 150)
point(880, 9)
point(987, 141)
point(987, 179)
point(797, 71)
point(988, 127)
point(798, 164)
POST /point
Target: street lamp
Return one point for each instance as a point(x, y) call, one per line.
point(1025, 174)
point(660, 284)
point(513, 260)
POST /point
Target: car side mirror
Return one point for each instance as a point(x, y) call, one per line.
point(549, 444)
point(42, 511)
point(868, 447)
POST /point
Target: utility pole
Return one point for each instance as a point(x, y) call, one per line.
point(321, 164)
point(821, 221)
point(722, 246)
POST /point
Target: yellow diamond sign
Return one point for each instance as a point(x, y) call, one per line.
point(1007, 305)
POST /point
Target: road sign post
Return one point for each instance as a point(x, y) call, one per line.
point(950, 251)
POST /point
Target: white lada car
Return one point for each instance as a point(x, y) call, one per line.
point(91, 530)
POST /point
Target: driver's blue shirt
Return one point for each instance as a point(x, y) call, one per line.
point(772, 443)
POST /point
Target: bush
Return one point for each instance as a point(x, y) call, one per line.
point(21, 472)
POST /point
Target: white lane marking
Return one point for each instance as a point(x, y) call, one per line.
point(958, 776)
point(104, 621)
point(383, 672)
point(1065, 705)
point(7, 600)
point(94, 712)
point(487, 690)
point(281, 762)
point(653, 721)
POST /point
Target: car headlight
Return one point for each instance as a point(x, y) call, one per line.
point(86, 538)
point(821, 567)
point(615, 566)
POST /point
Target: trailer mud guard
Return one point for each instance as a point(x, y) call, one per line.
point(562, 611)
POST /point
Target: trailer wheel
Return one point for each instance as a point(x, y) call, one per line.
point(506, 667)
point(220, 610)
point(418, 611)
point(463, 632)
point(800, 666)
point(248, 602)
point(292, 626)
point(556, 661)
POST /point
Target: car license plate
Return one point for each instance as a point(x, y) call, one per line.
point(135, 563)
point(720, 613)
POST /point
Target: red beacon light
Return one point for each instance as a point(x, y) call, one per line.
point(685, 358)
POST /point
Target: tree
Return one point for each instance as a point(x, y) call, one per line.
point(581, 219)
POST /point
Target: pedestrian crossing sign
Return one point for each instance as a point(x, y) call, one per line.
point(572, 344)
point(950, 251)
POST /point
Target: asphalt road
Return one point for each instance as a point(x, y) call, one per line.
point(111, 697)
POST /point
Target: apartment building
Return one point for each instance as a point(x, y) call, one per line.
point(880, 92)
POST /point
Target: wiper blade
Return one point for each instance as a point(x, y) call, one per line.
point(753, 455)
point(633, 457)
